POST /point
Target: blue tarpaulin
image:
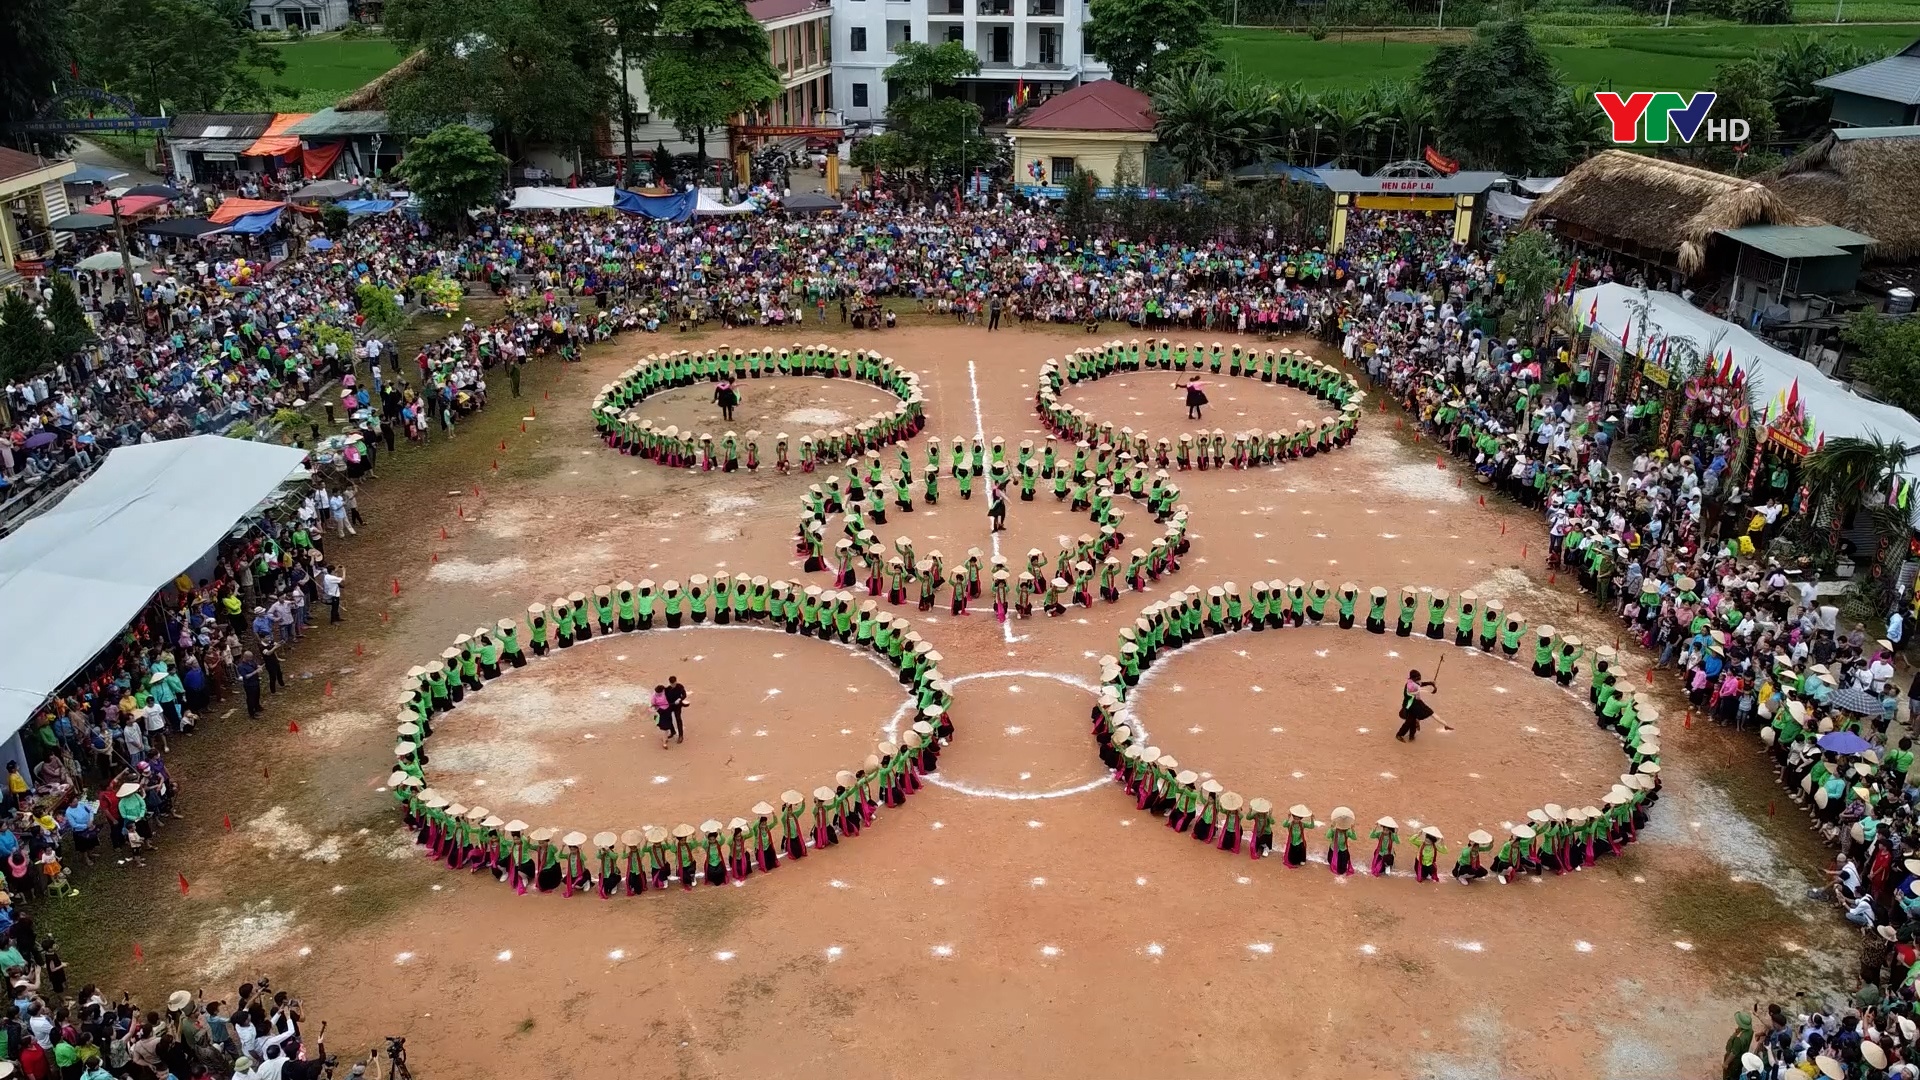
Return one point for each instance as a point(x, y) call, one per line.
point(365, 206)
point(94, 174)
point(1280, 170)
point(256, 223)
point(678, 207)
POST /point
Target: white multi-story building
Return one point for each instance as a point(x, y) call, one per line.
point(1032, 44)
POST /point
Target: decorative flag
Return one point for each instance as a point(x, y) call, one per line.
point(183, 884)
point(1593, 311)
point(1573, 275)
point(1793, 396)
point(1441, 163)
point(1626, 336)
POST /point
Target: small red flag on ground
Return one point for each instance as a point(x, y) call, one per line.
point(1523, 552)
point(359, 648)
point(293, 727)
point(329, 692)
point(443, 533)
point(226, 822)
point(396, 586)
point(460, 512)
point(1439, 462)
point(1552, 578)
point(503, 444)
point(535, 413)
point(1483, 502)
point(436, 557)
point(137, 954)
point(183, 884)
point(1649, 676)
point(496, 464)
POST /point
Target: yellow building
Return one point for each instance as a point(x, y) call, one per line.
point(30, 196)
point(1090, 128)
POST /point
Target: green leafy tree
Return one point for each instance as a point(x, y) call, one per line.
point(71, 331)
point(1849, 479)
point(1214, 121)
point(1496, 100)
point(1743, 89)
point(377, 305)
point(1888, 357)
point(708, 64)
point(633, 23)
point(1531, 264)
point(538, 70)
point(1800, 107)
point(26, 346)
point(1080, 210)
point(937, 132)
point(180, 55)
point(1139, 39)
point(36, 38)
point(452, 171)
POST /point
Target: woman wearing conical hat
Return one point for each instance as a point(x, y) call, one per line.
point(1467, 869)
point(546, 859)
point(739, 844)
point(793, 838)
point(454, 842)
point(1511, 852)
point(824, 834)
point(659, 856)
point(686, 860)
point(1339, 859)
point(606, 850)
point(575, 875)
point(866, 802)
point(1207, 811)
point(760, 843)
point(1385, 836)
point(1232, 821)
point(1260, 825)
point(713, 857)
point(633, 861)
point(846, 812)
point(1299, 819)
point(1427, 852)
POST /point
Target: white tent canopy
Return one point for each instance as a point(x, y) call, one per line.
point(74, 577)
point(711, 206)
point(1835, 410)
point(562, 198)
point(1512, 207)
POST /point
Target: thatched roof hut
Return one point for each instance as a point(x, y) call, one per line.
point(1660, 210)
point(374, 94)
point(1863, 183)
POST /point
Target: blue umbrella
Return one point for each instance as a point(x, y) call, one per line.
point(1844, 742)
point(319, 243)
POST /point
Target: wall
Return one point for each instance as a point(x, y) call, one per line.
point(1856, 110)
point(1098, 152)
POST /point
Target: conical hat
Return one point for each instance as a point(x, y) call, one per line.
point(682, 831)
point(574, 839)
point(1342, 817)
point(605, 840)
point(1388, 823)
point(793, 798)
point(762, 809)
point(1479, 836)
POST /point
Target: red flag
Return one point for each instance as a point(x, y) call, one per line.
point(293, 727)
point(1793, 395)
point(226, 822)
point(1626, 336)
point(1573, 275)
point(137, 954)
point(183, 884)
point(1593, 312)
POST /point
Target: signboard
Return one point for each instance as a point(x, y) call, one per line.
point(30, 267)
point(1788, 440)
point(1657, 375)
point(1405, 202)
point(102, 123)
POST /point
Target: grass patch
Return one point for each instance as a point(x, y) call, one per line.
point(1627, 58)
point(1724, 921)
point(524, 1027)
point(322, 70)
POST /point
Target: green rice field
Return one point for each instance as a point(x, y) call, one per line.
point(1631, 58)
point(321, 70)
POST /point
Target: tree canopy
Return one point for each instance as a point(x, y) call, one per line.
point(925, 129)
point(1499, 101)
point(539, 70)
point(1531, 265)
point(708, 64)
point(452, 171)
point(1140, 39)
point(1888, 359)
point(35, 38)
point(177, 55)
point(26, 347)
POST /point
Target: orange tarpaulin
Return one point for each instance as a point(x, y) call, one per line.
point(316, 160)
point(129, 204)
point(276, 144)
point(234, 209)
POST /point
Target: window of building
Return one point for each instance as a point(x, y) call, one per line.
point(859, 95)
point(1060, 170)
point(857, 41)
point(957, 33)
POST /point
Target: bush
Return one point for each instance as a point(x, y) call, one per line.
point(242, 430)
point(1763, 12)
point(355, 29)
point(1317, 30)
point(334, 220)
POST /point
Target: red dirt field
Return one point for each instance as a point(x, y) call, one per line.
point(1020, 919)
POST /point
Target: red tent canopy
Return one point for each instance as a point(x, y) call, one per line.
point(234, 209)
point(132, 204)
point(318, 159)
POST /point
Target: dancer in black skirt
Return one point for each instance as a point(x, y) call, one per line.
point(1413, 708)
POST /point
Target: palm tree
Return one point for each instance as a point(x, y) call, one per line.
point(1850, 477)
point(1188, 101)
point(1347, 116)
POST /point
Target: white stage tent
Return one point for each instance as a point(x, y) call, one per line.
point(711, 206)
point(564, 198)
point(74, 577)
point(1834, 409)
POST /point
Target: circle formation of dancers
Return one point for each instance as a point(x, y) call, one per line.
point(635, 860)
point(623, 429)
point(1552, 837)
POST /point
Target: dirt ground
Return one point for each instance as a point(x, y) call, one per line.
point(1020, 919)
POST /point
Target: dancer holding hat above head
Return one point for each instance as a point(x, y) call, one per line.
point(765, 851)
point(607, 881)
point(574, 875)
point(659, 859)
point(1339, 860)
point(713, 859)
point(683, 855)
point(1260, 811)
point(633, 844)
point(740, 852)
point(1385, 835)
point(793, 837)
point(1299, 819)
point(1507, 859)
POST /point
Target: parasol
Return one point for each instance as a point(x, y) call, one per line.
point(1844, 742)
point(1855, 700)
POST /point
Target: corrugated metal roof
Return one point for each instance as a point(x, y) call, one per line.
point(332, 123)
point(1852, 134)
point(248, 126)
point(1897, 78)
point(1798, 241)
point(211, 146)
